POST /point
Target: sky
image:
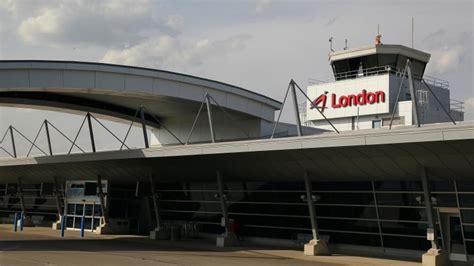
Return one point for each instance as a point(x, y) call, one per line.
point(256, 44)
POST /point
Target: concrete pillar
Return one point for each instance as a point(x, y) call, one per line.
point(316, 246)
point(435, 255)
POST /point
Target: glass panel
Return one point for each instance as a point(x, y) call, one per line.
point(77, 222)
point(404, 228)
point(71, 208)
point(348, 225)
point(407, 214)
point(466, 200)
point(97, 210)
point(447, 186)
point(467, 216)
point(88, 211)
point(346, 211)
point(444, 200)
point(96, 223)
point(400, 199)
point(398, 185)
point(338, 186)
point(457, 243)
point(406, 242)
point(387, 60)
point(354, 239)
point(345, 198)
point(469, 231)
point(268, 209)
point(79, 209)
point(470, 247)
point(87, 223)
point(465, 186)
point(69, 222)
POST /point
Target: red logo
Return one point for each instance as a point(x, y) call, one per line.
point(320, 100)
point(344, 101)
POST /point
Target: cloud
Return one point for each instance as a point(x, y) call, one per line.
point(261, 5)
point(331, 21)
point(172, 53)
point(448, 53)
point(107, 23)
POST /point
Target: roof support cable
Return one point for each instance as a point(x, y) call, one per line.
point(196, 119)
point(439, 101)
point(129, 128)
point(398, 94)
point(27, 139)
point(108, 130)
point(36, 138)
point(64, 135)
point(281, 111)
point(77, 135)
point(228, 116)
point(314, 106)
point(162, 125)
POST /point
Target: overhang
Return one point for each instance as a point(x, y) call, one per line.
point(117, 91)
point(447, 152)
point(380, 49)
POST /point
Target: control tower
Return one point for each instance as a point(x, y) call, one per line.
point(378, 86)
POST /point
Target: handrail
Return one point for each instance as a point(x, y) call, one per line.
point(353, 74)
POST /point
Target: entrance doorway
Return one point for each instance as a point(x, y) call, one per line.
point(453, 241)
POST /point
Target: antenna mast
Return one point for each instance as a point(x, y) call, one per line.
point(412, 31)
point(330, 44)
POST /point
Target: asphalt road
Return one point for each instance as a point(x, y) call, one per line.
point(43, 246)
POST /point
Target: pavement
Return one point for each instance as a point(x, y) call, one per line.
point(44, 246)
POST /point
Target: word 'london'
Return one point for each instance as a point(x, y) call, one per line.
point(362, 98)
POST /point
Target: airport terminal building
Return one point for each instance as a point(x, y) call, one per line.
point(368, 148)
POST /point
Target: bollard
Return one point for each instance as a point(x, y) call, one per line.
point(22, 219)
point(82, 226)
point(15, 224)
point(63, 224)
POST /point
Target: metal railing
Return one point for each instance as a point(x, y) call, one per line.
point(373, 71)
point(456, 105)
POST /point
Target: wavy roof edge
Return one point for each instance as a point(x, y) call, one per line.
point(121, 69)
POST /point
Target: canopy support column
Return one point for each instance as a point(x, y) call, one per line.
point(316, 246)
point(434, 256)
point(142, 120)
point(91, 132)
point(158, 232)
point(102, 201)
point(227, 238)
point(414, 101)
point(209, 116)
point(296, 110)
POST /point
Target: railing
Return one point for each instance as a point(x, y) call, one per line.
point(353, 74)
point(456, 105)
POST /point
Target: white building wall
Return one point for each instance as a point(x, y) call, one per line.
point(430, 112)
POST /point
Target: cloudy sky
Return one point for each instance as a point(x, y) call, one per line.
point(257, 44)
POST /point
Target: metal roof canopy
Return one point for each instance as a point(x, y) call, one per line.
point(446, 151)
point(117, 91)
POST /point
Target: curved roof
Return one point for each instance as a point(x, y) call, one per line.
point(117, 91)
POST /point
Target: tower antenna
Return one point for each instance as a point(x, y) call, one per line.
point(330, 44)
point(412, 32)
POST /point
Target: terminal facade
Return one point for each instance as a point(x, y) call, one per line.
point(374, 205)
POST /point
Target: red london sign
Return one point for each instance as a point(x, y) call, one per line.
point(360, 99)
